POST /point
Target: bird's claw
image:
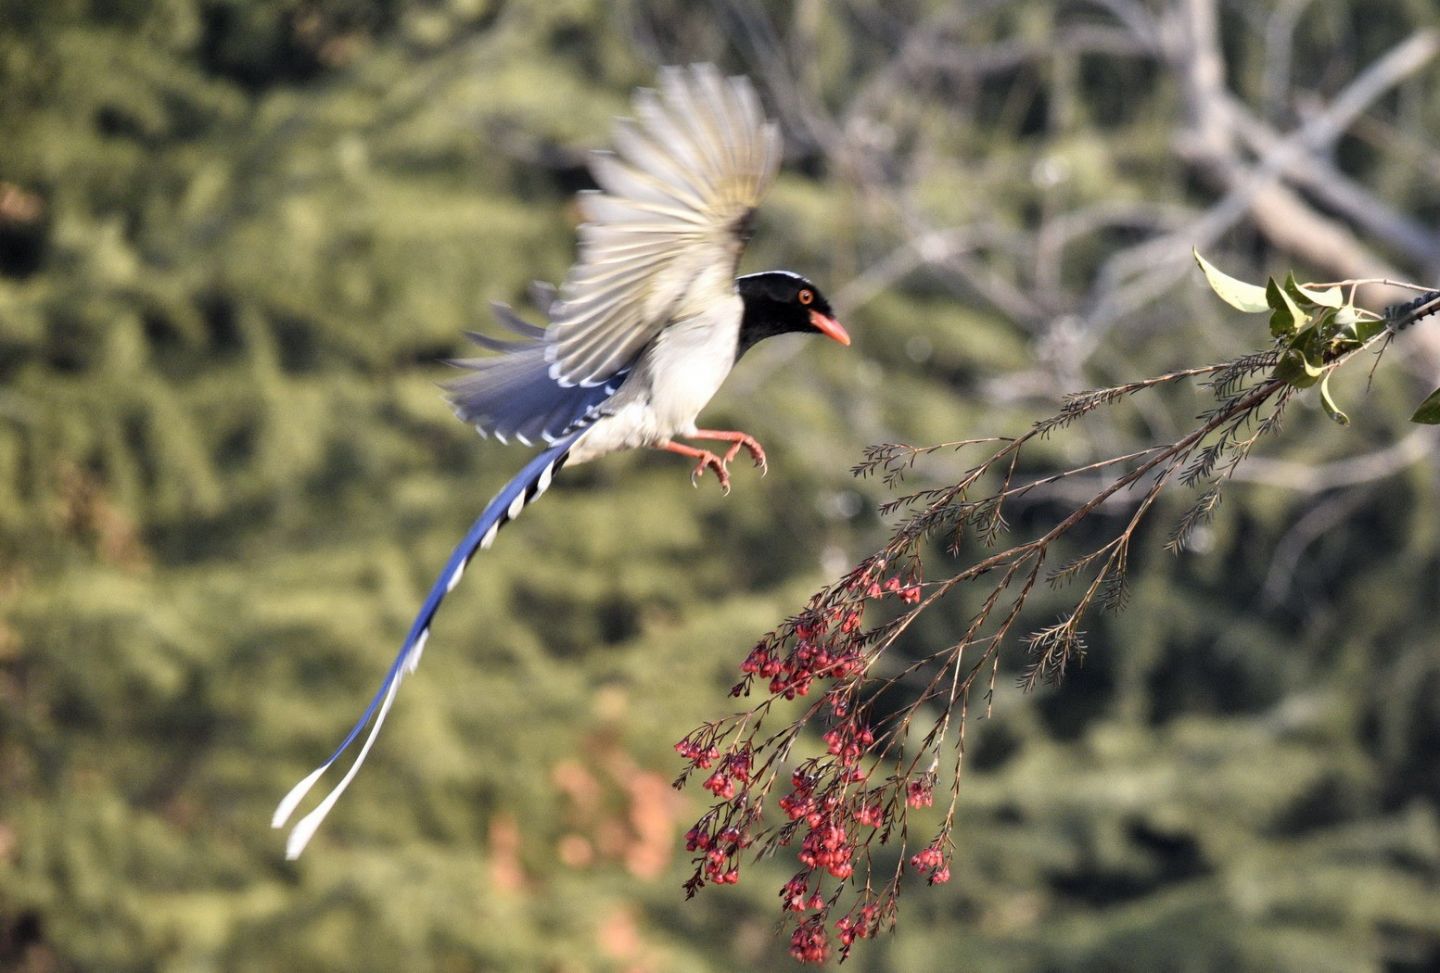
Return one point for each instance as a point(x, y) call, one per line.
point(753, 447)
point(710, 461)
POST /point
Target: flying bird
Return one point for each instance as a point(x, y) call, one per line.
point(641, 334)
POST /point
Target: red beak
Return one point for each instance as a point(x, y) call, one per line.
point(829, 327)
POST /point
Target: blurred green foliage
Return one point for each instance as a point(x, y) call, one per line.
point(236, 237)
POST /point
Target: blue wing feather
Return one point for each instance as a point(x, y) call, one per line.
point(512, 396)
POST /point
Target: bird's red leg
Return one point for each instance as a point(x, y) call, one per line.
point(707, 460)
point(738, 440)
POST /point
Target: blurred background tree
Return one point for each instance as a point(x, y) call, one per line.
point(236, 237)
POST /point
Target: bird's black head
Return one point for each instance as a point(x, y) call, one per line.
point(779, 302)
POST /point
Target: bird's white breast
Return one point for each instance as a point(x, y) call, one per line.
point(691, 360)
point(676, 377)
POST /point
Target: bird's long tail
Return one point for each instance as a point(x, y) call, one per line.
point(532, 481)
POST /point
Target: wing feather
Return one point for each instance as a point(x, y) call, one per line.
point(638, 184)
point(664, 233)
point(642, 154)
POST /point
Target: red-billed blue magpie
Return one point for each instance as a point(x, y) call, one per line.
point(644, 329)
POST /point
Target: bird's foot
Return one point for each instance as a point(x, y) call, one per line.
point(709, 461)
point(757, 453)
point(737, 441)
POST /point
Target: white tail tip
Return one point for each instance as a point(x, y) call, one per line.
point(305, 828)
point(297, 794)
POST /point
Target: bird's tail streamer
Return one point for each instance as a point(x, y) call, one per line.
point(532, 481)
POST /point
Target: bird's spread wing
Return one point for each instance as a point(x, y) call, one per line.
point(673, 209)
point(512, 396)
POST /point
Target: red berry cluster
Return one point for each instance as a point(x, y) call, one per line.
point(800, 802)
point(848, 741)
point(734, 768)
point(909, 592)
point(931, 860)
point(809, 943)
point(861, 923)
point(698, 756)
point(721, 861)
point(870, 815)
point(826, 844)
point(834, 814)
point(817, 653)
point(822, 643)
point(795, 895)
point(920, 792)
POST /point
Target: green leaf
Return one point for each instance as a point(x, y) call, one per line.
point(1368, 328)
point(1329, 297)
point(1297, 370)
point(1249, 298)
point(1303, 361)
point(1328, 403)
point(1288, 318)
point(1361, 326)
point(1429, 411)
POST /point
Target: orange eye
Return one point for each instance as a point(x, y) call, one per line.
point(807, 296)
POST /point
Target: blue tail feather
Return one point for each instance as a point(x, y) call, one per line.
point(528, 484)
